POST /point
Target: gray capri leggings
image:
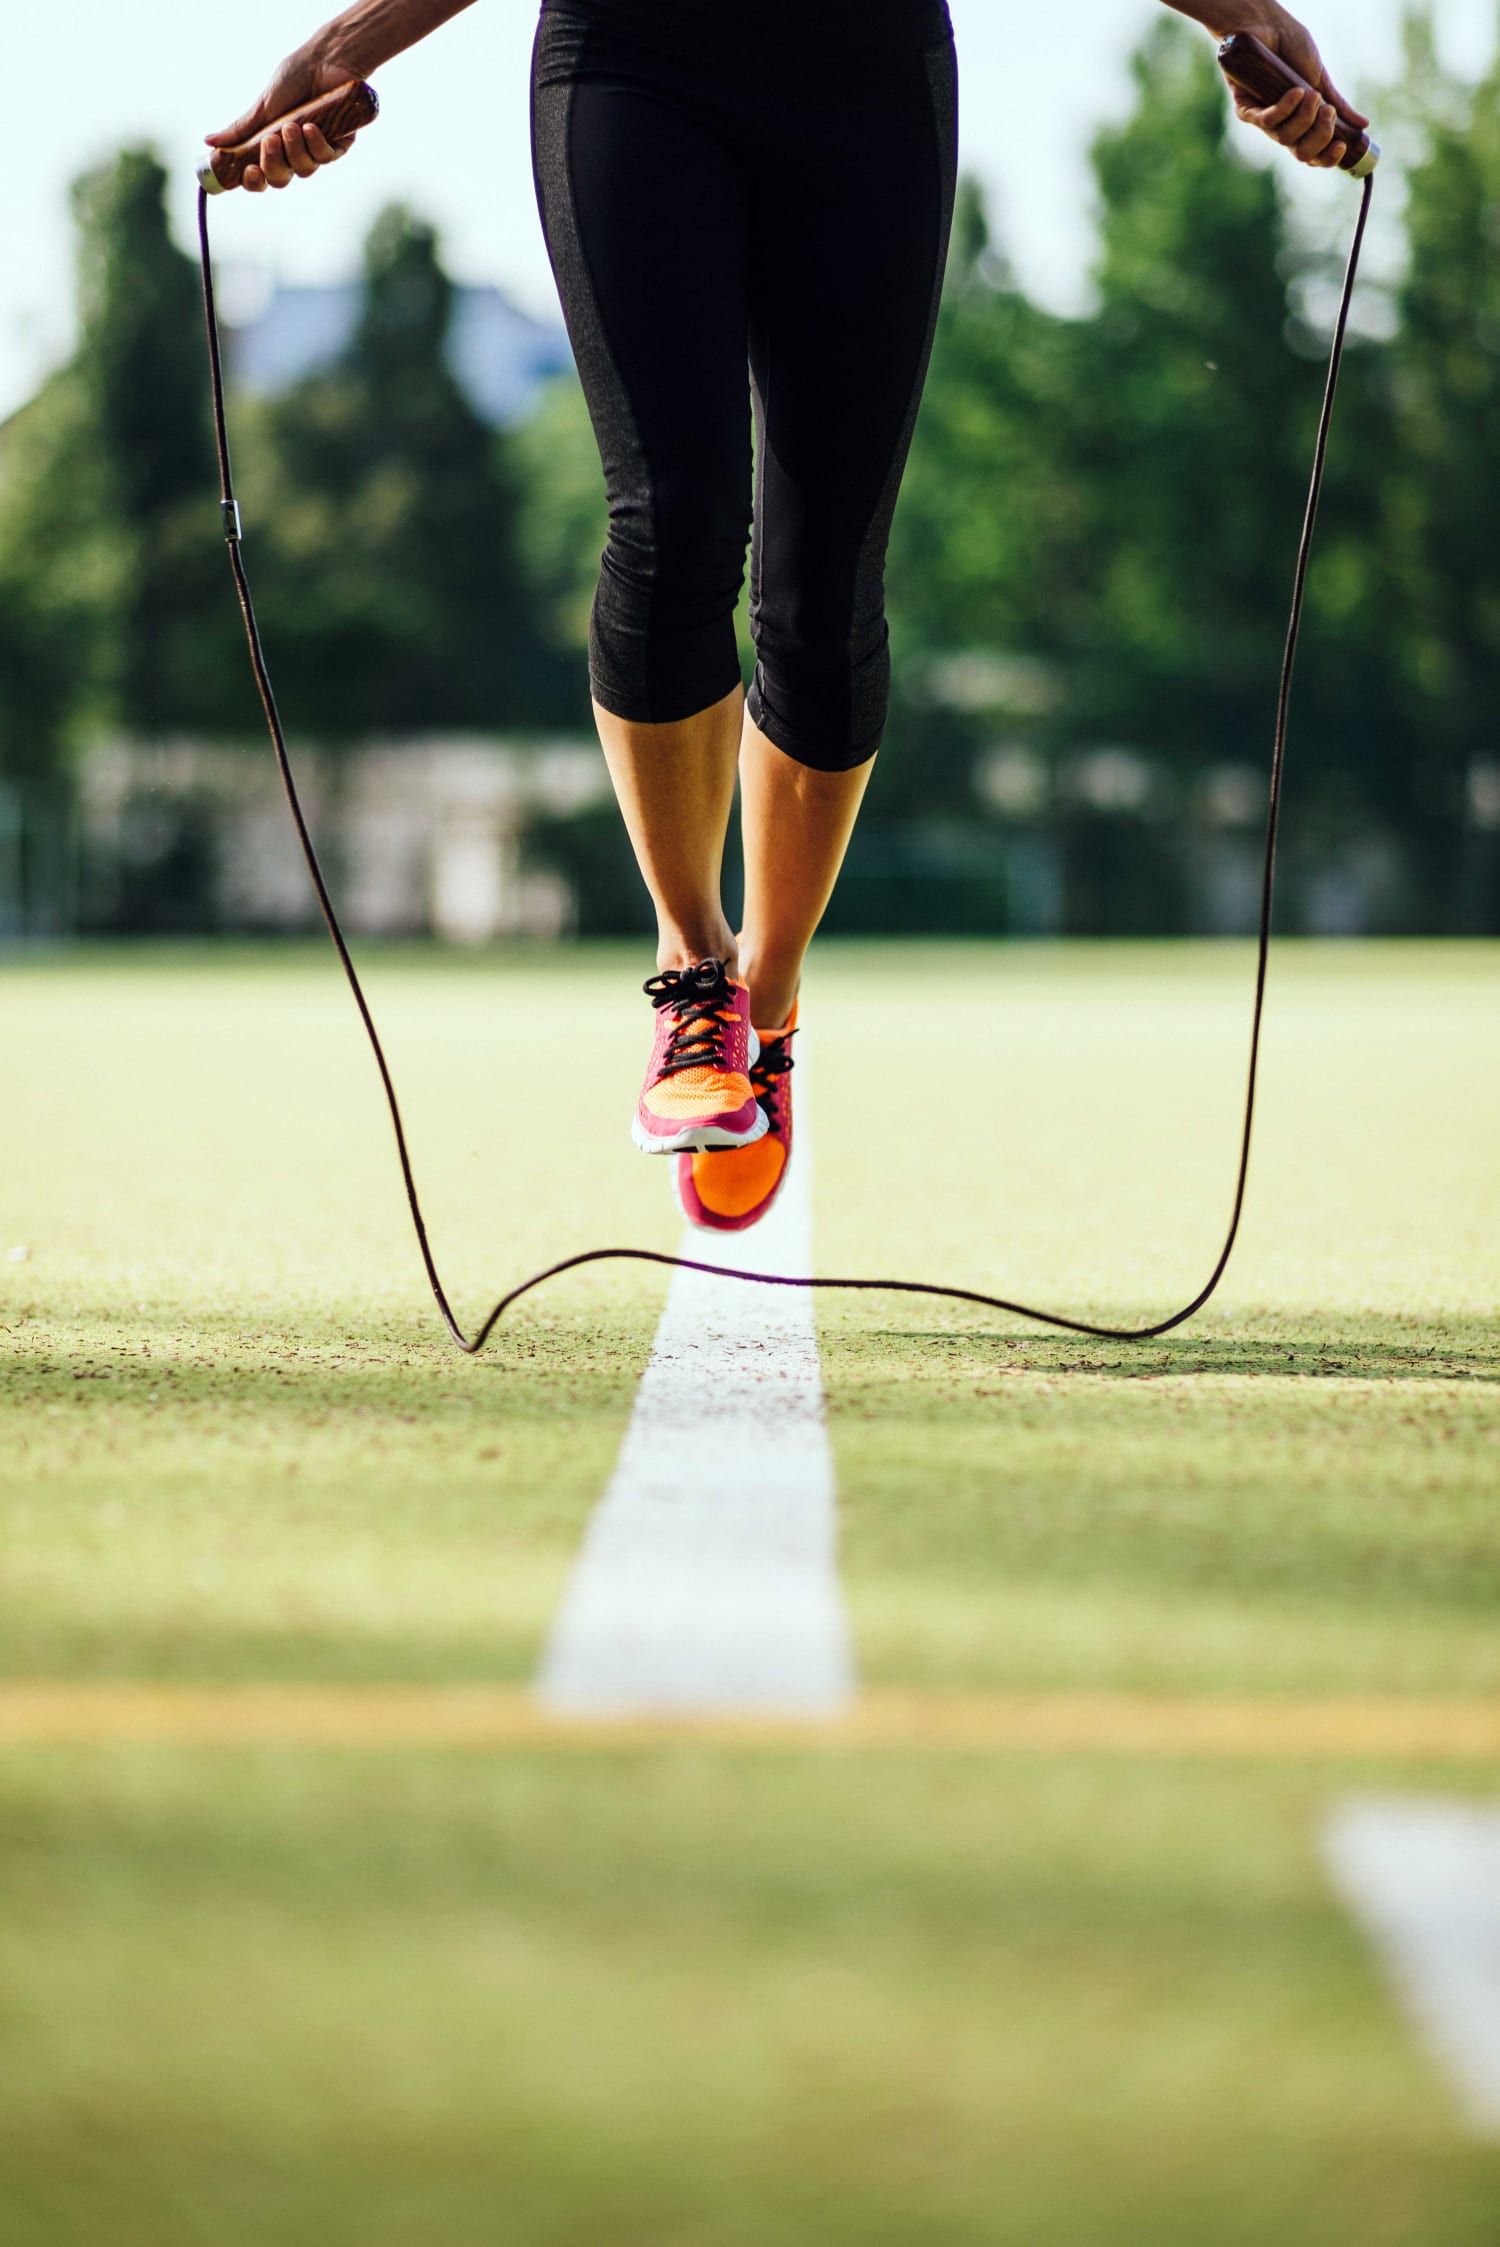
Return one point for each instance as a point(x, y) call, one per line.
point(765, 185)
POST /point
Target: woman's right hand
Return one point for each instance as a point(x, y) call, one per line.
point(297, 151)
point(1315, 125)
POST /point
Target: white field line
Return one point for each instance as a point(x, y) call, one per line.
point(1424, 1877)
point(708, 1578)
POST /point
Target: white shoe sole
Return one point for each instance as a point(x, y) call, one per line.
point(699, 1139)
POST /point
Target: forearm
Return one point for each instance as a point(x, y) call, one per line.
point(369, 33)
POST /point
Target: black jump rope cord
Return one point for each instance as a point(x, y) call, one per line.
point(472, 1345)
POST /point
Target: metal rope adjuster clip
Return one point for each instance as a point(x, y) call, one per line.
point(229, 516)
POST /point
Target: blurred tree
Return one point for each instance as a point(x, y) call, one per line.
point(1194, 417)
point(141, 381)
point(563, 516)
point(1094, 544)
point(1201, 397)
point(1442, 481)
point(981, 553)
point(395, 600)
point(983, 571)
point(59, 581)
point(108, 562)
point(34, 687)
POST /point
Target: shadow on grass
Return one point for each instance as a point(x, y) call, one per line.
point(331, 1358)
point(326, 1365)
point(1318, 1346)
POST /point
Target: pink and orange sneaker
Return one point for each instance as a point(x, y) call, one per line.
point(729, 1192)
point(698, 1092)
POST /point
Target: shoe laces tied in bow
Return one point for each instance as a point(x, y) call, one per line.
point(703, 1000)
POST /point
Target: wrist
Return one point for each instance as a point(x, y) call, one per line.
point(352, 44)
point(1223, 17)
point(368, 34)
point(332, 51)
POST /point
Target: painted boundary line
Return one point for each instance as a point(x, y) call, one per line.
point(510, 1717)
point(708, 1577)
point(1424, 1879)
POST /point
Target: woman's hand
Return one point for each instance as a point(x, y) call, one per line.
point(297, 151)
point(1306, 123)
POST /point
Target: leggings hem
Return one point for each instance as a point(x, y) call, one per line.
point(791, 744)
point(634, 712)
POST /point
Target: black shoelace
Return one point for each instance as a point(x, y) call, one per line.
point(775, 1060)
point(704, 1005)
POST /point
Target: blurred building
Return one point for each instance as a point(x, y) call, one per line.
point(500, 356)
point(421, 837)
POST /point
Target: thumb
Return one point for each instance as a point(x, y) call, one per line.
point(298, 79)
point(255, 120)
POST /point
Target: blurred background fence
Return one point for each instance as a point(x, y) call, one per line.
point(1088, 580)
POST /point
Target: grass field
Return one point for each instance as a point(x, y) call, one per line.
point(678, 1995)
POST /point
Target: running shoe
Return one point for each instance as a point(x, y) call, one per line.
point(730, 1192)
point(698, 1091)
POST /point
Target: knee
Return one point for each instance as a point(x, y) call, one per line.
point(679, 541)
point(823, 697)
point(662, 640)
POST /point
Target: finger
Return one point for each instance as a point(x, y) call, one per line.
point(300, 157)
point(1319, 135)
point(278, 172)
point(243, 128)
point(1286, 120)
point(320, 150)
point(1269, 119)
point(254, 180)
point(1332, 159)
point(1301, 122)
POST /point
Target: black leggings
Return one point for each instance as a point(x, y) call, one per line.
point(761, 181)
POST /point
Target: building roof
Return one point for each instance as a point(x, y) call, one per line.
point(500, 356)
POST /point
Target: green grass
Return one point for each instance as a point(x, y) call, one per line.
point(326, 2002)
point(1295, 1492)
point(689, 1998)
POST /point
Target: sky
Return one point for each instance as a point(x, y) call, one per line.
point(452, 140)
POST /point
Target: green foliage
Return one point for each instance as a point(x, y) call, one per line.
point(563, 518)
point(393, 596)
point(1193, 416)
point(145, 429)
point(60, 581)
point(112, 604)
point(138, 361)
point(1116, 497)
point(1442, 484)
point(985, 533)
point(1094, 544)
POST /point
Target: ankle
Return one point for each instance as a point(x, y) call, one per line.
point(773, 986)
point(685, 947)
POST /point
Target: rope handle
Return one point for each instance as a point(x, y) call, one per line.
point(1247, 62)
point(348, 109)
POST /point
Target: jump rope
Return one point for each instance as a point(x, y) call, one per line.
point(1266, 78)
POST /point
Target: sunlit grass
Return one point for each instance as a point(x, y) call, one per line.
point(682, 1997)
